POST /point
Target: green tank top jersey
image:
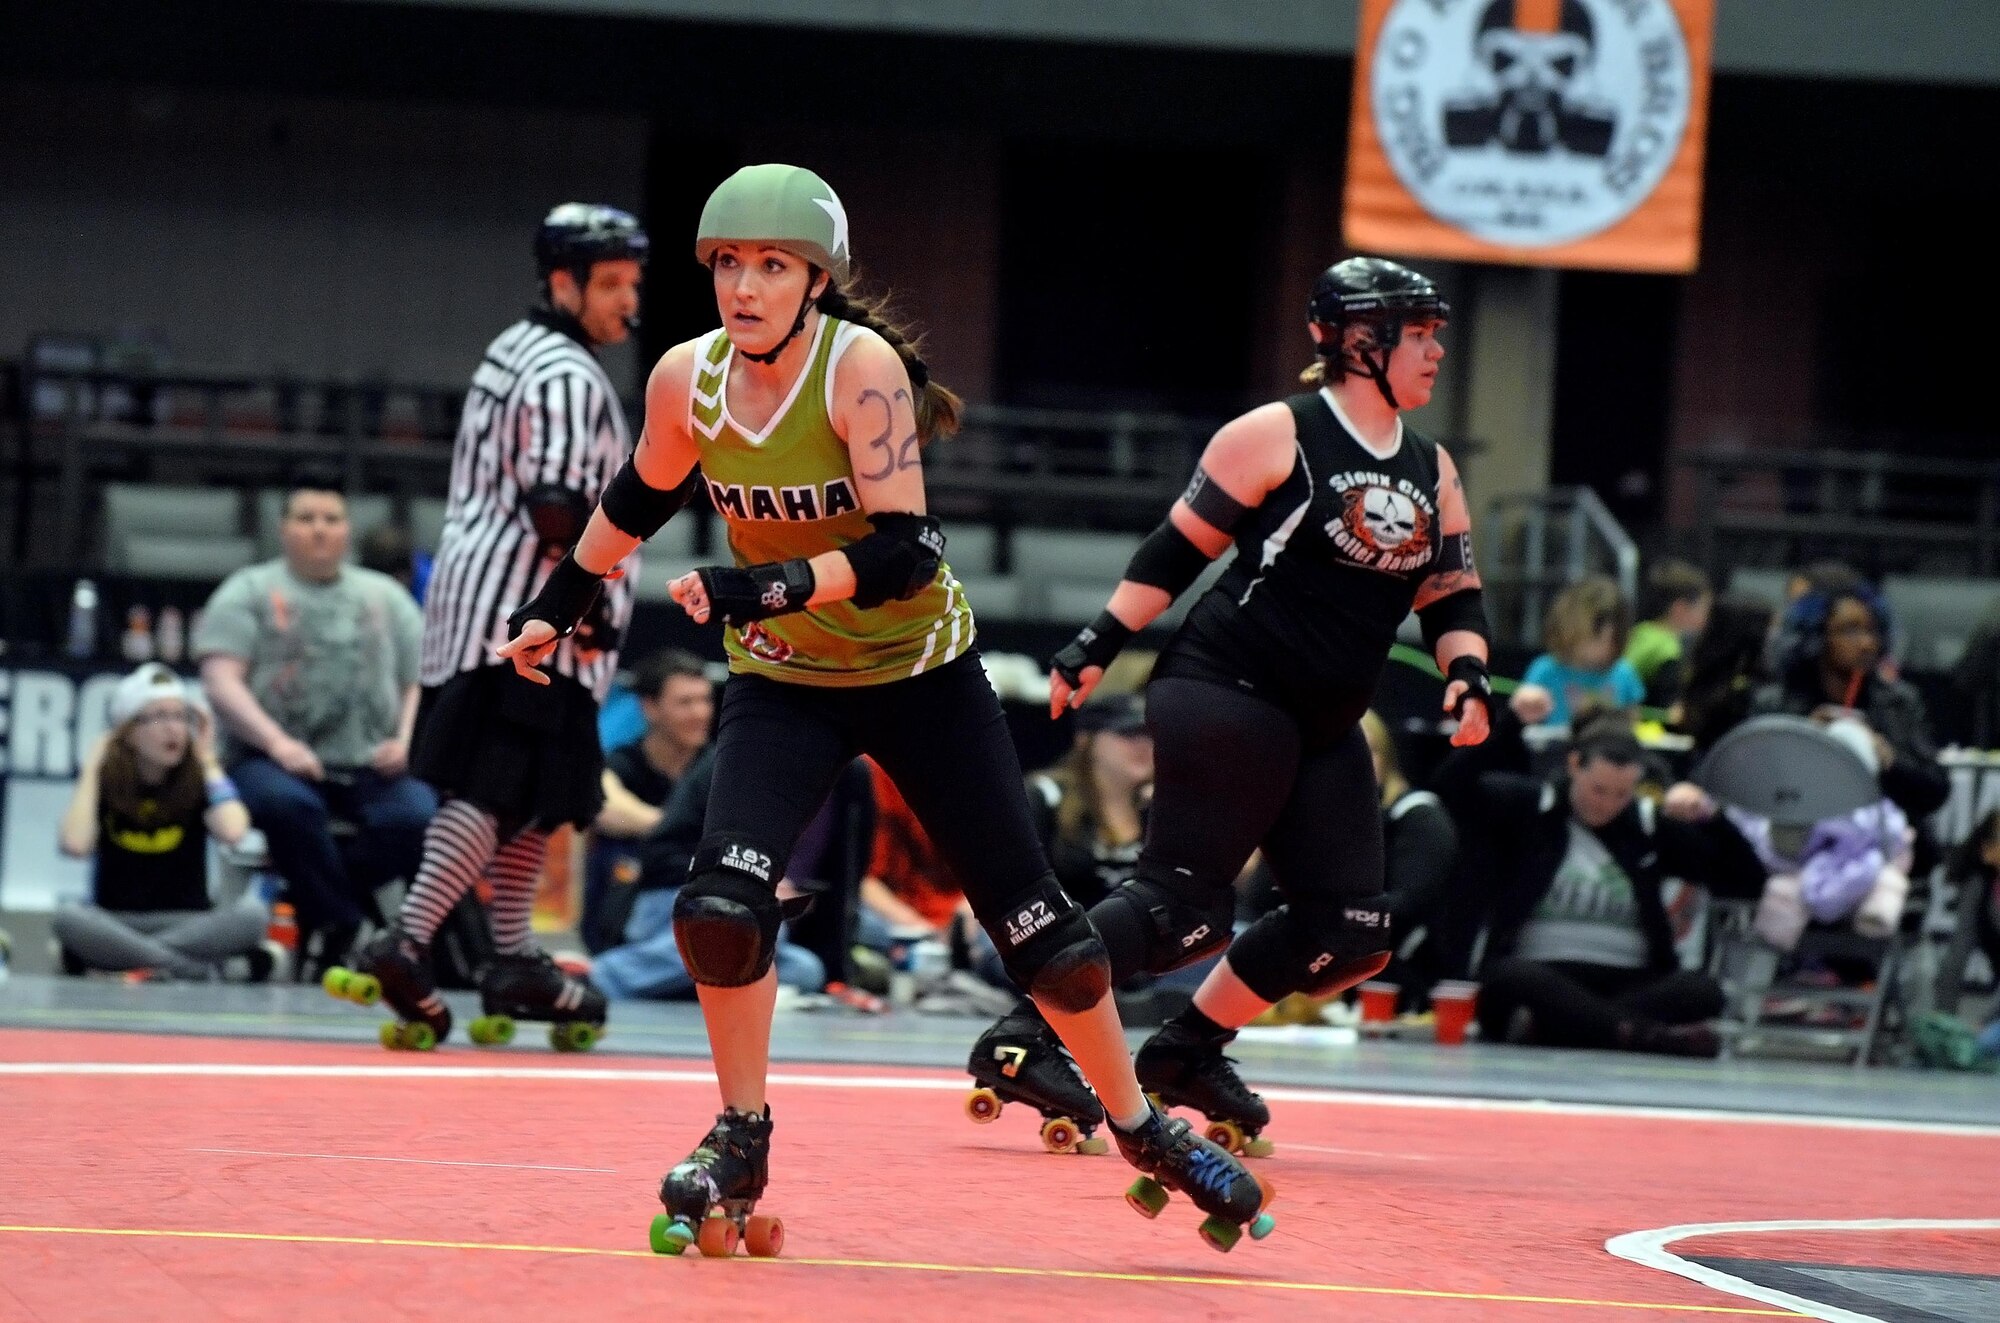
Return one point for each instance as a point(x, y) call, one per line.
point(789, 491)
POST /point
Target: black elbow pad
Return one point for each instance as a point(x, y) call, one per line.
point(558, 513)
point(1462, 610)
point(638, 509)
point(896, 561)
point(1167, 560)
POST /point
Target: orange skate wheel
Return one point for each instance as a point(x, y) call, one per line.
point(764, 1236)
point(1060, 1135)
point(1224, 1135)
point(717, 1238)
point(983, 1105)
point(1270, 1192)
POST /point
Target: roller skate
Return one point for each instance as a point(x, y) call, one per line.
point(530, 986)
point(710, 1196)
point(1182, 1070)
point(395, 968)
point(1020, 1060)
point(1172, 1157)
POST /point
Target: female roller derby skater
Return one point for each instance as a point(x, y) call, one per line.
point(1344, 519)
point(805, 415)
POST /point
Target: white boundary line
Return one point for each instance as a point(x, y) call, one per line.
point(1649, 1249)
point(792, 1079)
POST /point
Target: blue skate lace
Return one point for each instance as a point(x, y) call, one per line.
point(1214, 1172)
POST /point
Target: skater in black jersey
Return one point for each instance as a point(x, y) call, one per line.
point(1343, 519)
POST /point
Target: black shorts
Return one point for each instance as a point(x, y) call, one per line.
point(942, 738)
point(526, 753)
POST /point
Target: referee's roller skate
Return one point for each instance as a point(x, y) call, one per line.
point(711, 1197)
point(395, 968)
point(1182, 1069)
point(1020, 1060)
point(531, 986)
point(1173, 1157)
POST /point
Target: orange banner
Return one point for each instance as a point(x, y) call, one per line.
point(1561, 133)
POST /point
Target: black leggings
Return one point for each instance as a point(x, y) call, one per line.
point(942, 738)
point(1571, 1005)
point(1232, 773)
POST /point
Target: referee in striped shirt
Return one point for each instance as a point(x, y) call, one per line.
point(541, 435)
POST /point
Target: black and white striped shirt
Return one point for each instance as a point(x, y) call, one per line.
point(541, 410)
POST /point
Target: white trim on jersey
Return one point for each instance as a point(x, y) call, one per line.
point(1274, 545)
point(956, 605)
point(1340, 415)
point(540, 411)
point(844, 334)
point(763, 434)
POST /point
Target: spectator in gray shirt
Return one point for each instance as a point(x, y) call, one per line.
point(311, 664)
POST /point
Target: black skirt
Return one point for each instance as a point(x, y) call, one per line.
point(526, 753)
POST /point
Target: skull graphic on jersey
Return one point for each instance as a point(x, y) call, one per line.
point(1386, 521)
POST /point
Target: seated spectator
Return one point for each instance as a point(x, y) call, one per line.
point(148, 797)
point(1090, 809)
point(911, 893)
point(648, 964)
point(1829, 650)
point(1584, 634)
point(1580, 951)
point(311, 665)
point(1420, 851)
point(1725, 672)
point(677, 701)
point(1673, 613)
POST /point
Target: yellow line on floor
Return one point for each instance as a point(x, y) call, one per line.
point(1071, 1274)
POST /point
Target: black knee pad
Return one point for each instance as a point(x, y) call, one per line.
point(1177, 929)
point(1283, 953)
point(726, 917)
point(1050, 950)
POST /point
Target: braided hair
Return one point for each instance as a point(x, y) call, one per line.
point(937, 408)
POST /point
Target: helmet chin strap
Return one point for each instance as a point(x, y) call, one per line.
point(1377, 367)
point(770, 355)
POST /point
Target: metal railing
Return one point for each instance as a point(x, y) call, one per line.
point(1540, 543)
point(1883, 512)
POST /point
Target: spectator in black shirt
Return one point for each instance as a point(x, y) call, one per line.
point(677, 700)
point(149, 796)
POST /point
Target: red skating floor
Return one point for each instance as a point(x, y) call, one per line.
point(163, 1178)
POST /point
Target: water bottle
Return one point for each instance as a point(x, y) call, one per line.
point(83, 621)
point(171, 636)
point(137, 645)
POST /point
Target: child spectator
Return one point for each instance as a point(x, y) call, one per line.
point(149, 796)
point(1584, 634)
point(1674, 611)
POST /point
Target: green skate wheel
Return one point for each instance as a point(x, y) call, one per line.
point(363, 989)
point(1221, 1233)
point(669, 1236)
point(1147, 1197)
point(1094, 1146)
point(1263, 1225)
point(1258, 1148)
point(409, 1036)
point(574, 1036)
point(391, 1038)
point(491, 1030)
point(335, 982)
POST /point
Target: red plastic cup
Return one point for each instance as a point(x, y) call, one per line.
point(1453, 1004)
point(1378, 1002)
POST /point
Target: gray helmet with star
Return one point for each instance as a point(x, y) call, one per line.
point(787, 206)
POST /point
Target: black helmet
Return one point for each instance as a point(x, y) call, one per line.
point(1376, 293)
point(576, 234)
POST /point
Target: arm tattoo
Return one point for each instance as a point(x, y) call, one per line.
point(894, 458)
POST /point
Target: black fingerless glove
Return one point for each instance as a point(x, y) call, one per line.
point(1478, 684)
point(1097, 644)
point(758, 592)
point(565, 597)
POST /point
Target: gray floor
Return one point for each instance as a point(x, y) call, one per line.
point(908, 1039)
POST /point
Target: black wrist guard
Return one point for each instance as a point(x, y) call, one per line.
point(1097, 644)
point(758, 592)
point(1478, 684)
point(566, 595)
